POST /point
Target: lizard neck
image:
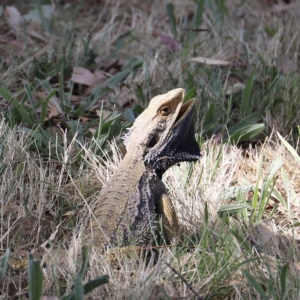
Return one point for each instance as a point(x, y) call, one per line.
point(135, 159)
point(132, 165)
point(134, 155)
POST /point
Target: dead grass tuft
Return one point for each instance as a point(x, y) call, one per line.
point(190, 186)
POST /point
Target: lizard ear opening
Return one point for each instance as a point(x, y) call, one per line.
point(153, 142)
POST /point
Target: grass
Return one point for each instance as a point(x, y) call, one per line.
point(60, 141)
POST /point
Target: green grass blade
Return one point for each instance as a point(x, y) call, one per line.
point(133, 63)
point(44, 105)
point(191, 93)
point(217, 161)
point(283, 279)
point(42, 16)
point(128, 115)
point(116, 79)
point(274, 168)
point(206, 214)
point(88, 103)
point(172, 19)
point(89, 286)
point(6, 93)
point(256, 192)
point(210, 119)
point(23, 113)
point(245, 262)
point(198, 16)
point(241, 240)
point(245, 132)
point(4, 263)
point(246, 105)
point(140, 95)
point(35, 278)
point(268, 187)
point(79, 292)
point(289, 148)
point(233, 191)
point(61, 86)
point(85, 262)
point(30, 97)
point(119, 44)
point(231, 209)
point(256, 285)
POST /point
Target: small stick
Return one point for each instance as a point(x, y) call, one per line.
point(184, 280)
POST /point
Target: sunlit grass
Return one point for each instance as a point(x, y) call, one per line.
point(60, 141)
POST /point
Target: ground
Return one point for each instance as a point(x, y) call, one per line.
point(74, 75)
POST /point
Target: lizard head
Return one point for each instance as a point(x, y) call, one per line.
point(164, 133)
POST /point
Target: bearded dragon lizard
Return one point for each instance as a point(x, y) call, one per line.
point(129, 207)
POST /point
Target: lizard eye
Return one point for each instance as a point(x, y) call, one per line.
point(165, 110)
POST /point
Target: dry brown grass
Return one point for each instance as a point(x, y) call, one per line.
point(31, 187)
point(54, 191)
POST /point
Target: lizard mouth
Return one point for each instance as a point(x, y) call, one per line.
point(184, 111)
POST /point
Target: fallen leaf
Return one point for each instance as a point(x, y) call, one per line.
point(234, 88)
point(283, 8)
point(15, 43)
point(53, 112)
point(99, 75)
point(211, 61)
point(82, 76)
point(172, 43)
point(14, 18)
point(95, 84)
point(86, 77)
point(265, 233)
point(56, 102)
point(84, 120)
point(76, 99)
point(92, 130)
point(268, 240)
point(286, 65)
point(104, 114)
point(69, 213)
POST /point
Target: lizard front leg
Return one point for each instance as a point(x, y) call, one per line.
point(169, 218)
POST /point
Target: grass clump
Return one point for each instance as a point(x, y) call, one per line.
point(74, 76)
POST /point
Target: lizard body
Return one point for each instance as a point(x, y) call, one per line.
point(129, 206)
